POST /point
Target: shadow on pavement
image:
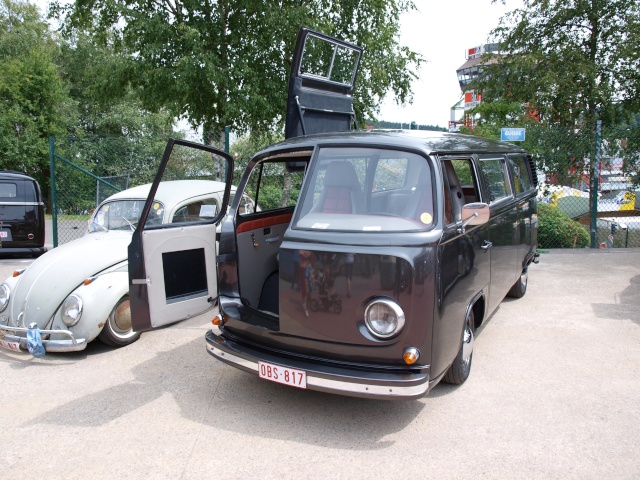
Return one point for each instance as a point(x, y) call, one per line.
point(224, 398)
point(626, 306)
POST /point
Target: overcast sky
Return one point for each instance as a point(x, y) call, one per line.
point(442, 31)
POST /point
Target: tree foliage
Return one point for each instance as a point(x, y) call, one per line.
point(226, 62)
point(112, 134)
point(563, 65)
point(568, 60)
point(34, 100)
point(52, 87)
point(244, 148)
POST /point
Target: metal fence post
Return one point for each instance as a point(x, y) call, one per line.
point(593, 192)
point(54, 200)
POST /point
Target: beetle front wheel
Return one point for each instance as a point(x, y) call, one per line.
point(118, 331)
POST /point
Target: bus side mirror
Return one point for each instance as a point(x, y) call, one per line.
point(477, 213)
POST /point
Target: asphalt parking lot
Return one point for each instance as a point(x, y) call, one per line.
point(554, 392)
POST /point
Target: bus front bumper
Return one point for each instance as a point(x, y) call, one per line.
point(330, 378)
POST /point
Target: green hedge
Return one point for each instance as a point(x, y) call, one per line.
point(557, 230)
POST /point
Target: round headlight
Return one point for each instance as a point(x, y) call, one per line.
point(71, 310)
point(383, 317)
point(5, 293)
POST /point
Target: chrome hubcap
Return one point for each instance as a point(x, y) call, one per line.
point(467, 342)
point(122, 317)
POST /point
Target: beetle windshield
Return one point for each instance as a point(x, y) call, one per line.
point(368, 189)
point(123, 215)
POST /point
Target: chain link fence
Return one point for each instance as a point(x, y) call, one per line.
point(589, 192)
point(85, 171)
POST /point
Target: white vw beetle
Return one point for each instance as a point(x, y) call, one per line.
point(80, 291)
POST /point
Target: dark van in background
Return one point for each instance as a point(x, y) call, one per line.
point(21, 214)
point(371, 258)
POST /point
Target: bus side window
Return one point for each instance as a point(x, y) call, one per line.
point(273, 186)
point(496, 180)
point(460, 187)
point(520, 173)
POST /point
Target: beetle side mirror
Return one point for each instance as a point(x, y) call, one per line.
point(477, 213)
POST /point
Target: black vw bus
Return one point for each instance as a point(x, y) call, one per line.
point(21, 214)
point(370, 259)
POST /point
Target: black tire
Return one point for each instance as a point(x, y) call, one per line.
point(117, 331)
point(315, 306)
point(461, 367)
point(337, 308)
point(520, 287)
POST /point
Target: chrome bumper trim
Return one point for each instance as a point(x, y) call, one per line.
point(332, 385)
point(73, 344)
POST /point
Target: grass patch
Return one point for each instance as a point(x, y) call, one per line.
point(84, 218)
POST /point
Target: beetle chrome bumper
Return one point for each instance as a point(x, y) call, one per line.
point(321, 377)
point(18, 335)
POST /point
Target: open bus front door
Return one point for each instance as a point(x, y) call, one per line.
point(172, 263)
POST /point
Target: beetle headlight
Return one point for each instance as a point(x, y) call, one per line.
point(5, 293)
point(383, 317)
point(71, 310)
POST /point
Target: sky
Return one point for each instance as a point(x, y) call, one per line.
point(442, 31)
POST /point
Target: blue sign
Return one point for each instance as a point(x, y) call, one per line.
point(512, 134)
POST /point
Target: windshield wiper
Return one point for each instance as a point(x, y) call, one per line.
point(93, 222)
point(133, 228)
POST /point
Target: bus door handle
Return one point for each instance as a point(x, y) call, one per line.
point(486, 245)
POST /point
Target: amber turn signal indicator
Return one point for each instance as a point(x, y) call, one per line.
point(218, 320)
point(17, 273)
point(411, 355)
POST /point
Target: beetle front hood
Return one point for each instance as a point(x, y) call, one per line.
point(51, 278)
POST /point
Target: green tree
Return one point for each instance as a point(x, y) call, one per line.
point(35, 102)
point(277, 186)
point(243, 148)
point(570, 60)
point(112, 133)
point(563, 65)
point(226, 62)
